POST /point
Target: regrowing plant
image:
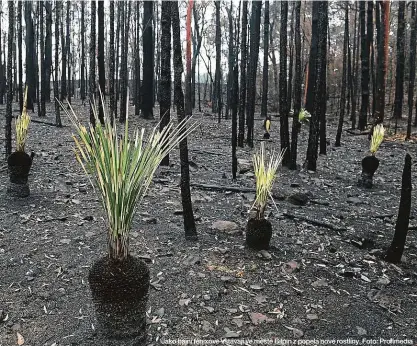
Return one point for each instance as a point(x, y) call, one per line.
point(304, 116)
point(265, 176)
point(22, 125)
point(377, 138)
point(122, 169)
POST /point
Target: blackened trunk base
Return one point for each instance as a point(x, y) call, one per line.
point(369, 166)
point(258, 234)
point(19, 164)
point(120, 294)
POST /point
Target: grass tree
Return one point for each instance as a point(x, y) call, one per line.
point(370, 163)
point(121, 171)
point(259, 229)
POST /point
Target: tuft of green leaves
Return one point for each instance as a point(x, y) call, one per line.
point(265, 175)
point(304, 116)
point(22, 125)
point(377, 138)
point(122, 169)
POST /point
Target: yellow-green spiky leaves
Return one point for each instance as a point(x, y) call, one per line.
point(265, 175)
point(377, 138)
point(121, 168)
point(304, 116)
point(22, 125)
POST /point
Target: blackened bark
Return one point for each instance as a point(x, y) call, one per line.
point(117, 69)
point(82, 86)
point(112, 63)
point(64, 57)
point(291, 61)
point(412, 66)
point(42, 59)
point(165, 79)
point(56, 88)
point(355, 67)
point(244, 57)
point(399, 75)
point(255, 28)
point(396, 249)
point(30, 57)
point(321, 97)
point(230, 61)
point(48, 52)
point(234, 96)
point(283, 101)
point(344, 77)
point(20, 55)
point(148, 61)
point(369, 40)
point(363, 116)
point(124, 72)
point(9, 109)
point(68, 49)
point(100, 59)
point(297, 87)
point(264, 106)
point(382, 60)
point(92, 78)
point(137, 97)
point(217, 102)
point(188, 215)
point(197, 40)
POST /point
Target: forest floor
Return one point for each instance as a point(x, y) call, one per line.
point(314, 283)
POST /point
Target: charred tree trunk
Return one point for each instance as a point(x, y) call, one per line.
point(112, 64)
point(148, 61)
point(344, 77)
point(297, 88)
point(82, 86)
point(363, 116)
point(100, 59)
point(264, 107)
point(30, 57)
point(399, 75)
point(137, 82)
point(382, 63)
point(321, 97)
point(188, 215)
point(68, 51)
point(283, 101)
point(165, 79)
point(244, 57)
point(412, 67)
point(42, 59)
point(124, 72)
point(355, 67)
point(9, 108)
point(48, 52)
point(20, 55)
point(230, 61)
point(396, 249)
point(217, 103)
point(255, 27)
point(92, 80)
point(56, 75)
point(370, 39)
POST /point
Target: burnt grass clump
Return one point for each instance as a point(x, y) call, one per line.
point(313, 282)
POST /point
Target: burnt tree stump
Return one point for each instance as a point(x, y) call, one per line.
point(396, 249)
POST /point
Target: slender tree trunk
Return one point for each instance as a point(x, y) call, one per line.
point(68, 48)
point(297, 88)
point(217, 102)
point(112, 64)
point(344, 77)
point(382, 61)
point(48, 52)
point(100, 58)
point(253, 67)
point(9, 105)
point(321, 97)
point(244, 57)
point(188, 215)
point(264, 106)
point(42, 59)
point(93, 63)
point(137, 63)
point(56, 75)
point(82, 87)
point(399, 75)
point(20, 55)
point(30, 57)
point(370, 43)
point(355, 67)
point(165, 80)
point(365, 69)
point(412, 67)
point(148, 61)
point(230, 61)
point(291, 62)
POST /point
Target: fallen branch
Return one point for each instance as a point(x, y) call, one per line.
point(315, 222)
point(209, 152)
point(355, 133)
point(236, 189)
